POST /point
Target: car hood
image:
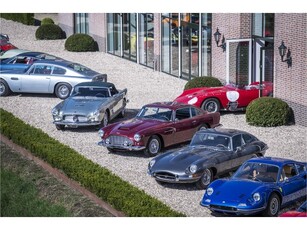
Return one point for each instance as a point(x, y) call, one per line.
point(191, 93)
point(135, 125)
point(82, 105)
point(235, 190)
point(179, 160)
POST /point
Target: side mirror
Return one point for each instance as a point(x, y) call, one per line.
point(176, 119)
point(239, 149)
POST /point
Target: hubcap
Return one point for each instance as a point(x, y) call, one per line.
point(206, 177)
point(274, 206)
point(211, 106)
point(154, 146)
point(63, 91)
point(2, 88)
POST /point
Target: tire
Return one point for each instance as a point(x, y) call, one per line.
point(4, 88)
point(273, 206)
point(105, 120)
point(202, 127)
point(60, 127)
point(62, 90)
point(205, 179)
point(153, 146)
point(211, 105)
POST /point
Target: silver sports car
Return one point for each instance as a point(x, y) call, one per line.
point(90, 104)
point(48, 76)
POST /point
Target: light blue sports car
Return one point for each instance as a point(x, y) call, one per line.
point(260, 185)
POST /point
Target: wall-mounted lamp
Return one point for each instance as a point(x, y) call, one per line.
point(282, 51)
point(217, 37)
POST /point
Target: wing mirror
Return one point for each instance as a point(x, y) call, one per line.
point(239, 149)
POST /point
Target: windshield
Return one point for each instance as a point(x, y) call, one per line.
point(211, 140)
point(90, 91)
point(257, 171)
point(163, 114)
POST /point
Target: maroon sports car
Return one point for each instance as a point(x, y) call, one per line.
point(156, 126)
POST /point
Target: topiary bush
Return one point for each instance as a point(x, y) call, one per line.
point(202, 82)
point(268, 112)
point(49, 32)
point(46, 21)
point(24, 18)
point(80, 43)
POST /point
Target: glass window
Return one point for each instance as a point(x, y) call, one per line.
point(58, 70)
point(236, 141)
point(206, 25)
point(81, 23)
point(263, 25)
point(114, 34)
point(247, 138)
point(129, 36)
point(42, 69)
point(183, 113)
point(146, 39)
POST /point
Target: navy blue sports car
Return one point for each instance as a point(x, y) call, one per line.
point(260, 185)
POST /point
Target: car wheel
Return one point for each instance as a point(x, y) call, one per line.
point(62, 90)
point(60, 127)
point(105, 120)
point(211, 105)
point(273, 206)
point(153, 146)
point(203, 127)
point(4, 88)
point(205, 179)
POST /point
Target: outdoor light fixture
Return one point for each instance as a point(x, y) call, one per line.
point(217, 37)
point(282, 51)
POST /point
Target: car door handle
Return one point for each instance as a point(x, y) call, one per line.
point(14, 78)
point(169, 131)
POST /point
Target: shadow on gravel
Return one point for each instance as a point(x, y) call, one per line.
point(232, 112)
point(42, 95)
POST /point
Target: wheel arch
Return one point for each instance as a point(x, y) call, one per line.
point(212, 97)
point(61, 82)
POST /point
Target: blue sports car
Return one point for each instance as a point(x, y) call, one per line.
point(260, 185)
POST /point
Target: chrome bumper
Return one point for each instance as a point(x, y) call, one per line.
point(76, 124)
point(130, 148)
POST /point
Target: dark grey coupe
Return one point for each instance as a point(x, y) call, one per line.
point(90, 104)
point(212, 152)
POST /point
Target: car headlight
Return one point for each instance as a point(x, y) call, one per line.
point(256, 196)
point(209, 191)
point(101, 133)
point(94, 115)
point(193, 168)
point(137, 137)
point(151, 163)
point(55, 112)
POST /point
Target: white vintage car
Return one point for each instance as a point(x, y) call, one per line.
point(48, 76)
point(90, 104)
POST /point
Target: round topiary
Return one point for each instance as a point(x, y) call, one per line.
point(268, 112)
point(49, 32)
point(46, 21)
point(80, 43)
point(202, 82)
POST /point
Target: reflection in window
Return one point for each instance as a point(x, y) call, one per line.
point(146, 39)
point(129, 36)
point(113, 34)
point(81, 23)
point(263, 25)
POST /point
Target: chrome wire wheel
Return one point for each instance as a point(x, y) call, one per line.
point(206, 178)
point(154, 146)
point(63, 91)
point(211, 105)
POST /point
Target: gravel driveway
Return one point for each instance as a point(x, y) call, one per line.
point(144, 86)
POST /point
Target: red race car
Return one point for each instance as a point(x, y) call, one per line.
point(229, 97)
point(300, 212)
point(157, 125)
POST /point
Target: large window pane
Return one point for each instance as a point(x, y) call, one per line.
point(114, 34)
point(146, 39)
point(81, 23)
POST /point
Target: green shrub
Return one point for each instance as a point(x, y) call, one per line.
point(49, 32)
point(80, 43)
point(46, 21)
point(119, 193)
point(202, 82)
point(268, 112)
point(24, 18)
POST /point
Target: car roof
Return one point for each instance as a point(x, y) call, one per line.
point(96, 84)
point(224, 131)
point(274, 160)
point(59, 62)
point(168, 104)
point(12, 53)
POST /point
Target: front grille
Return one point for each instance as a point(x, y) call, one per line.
point(223, 208)
point(75, 118)
point(120, 141)
point(165, 176)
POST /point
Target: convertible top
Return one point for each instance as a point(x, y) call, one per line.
point(96, 84)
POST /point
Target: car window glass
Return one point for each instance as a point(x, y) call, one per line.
point(58, 70)
point(247, 138)
point(288, 171)
point(300, 168)
point(183, 113)
point(211, 140)
point(236, 141)
point(194, 112)
point(42, 69)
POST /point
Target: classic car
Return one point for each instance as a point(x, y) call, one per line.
point(90, 104)
point(229, 97)
point(24, 60)
point(48, 76)
point(301, 211)
point(157, 125)
point(260, 185)
point(211, 153)
point(5, 44)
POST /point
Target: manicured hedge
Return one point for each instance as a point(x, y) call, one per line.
point(80, 43)
point(198, 82)
point(109, 187)
point(268, 112)
point(24, 18)
point(49, 32)
point(46, 21)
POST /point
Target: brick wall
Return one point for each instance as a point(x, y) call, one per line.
point(291, 83)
